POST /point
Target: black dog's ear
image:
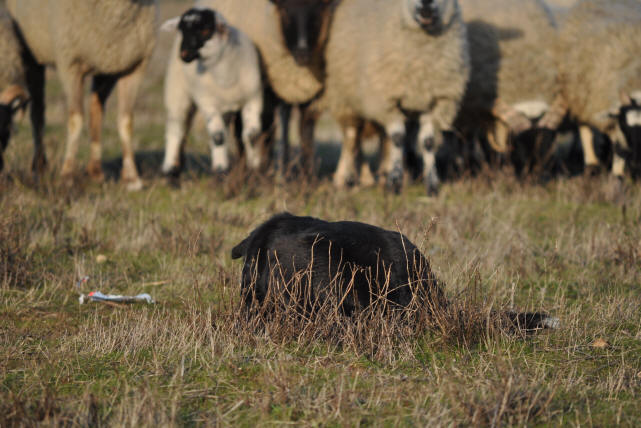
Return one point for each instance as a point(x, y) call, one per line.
point(240, 250)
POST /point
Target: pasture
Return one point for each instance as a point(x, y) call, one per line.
point(570, 247)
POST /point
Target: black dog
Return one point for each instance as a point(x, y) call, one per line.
point(355, 263)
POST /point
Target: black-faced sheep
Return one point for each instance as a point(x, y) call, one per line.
point(599, 54)
point(290, 36)
point(214, 67)
point(387, 60)
point(111, 40)
point(13, 96)
point(310, 262)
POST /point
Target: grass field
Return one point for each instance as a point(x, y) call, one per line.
point(571, 247)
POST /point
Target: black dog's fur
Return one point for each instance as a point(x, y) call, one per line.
point(360, 262)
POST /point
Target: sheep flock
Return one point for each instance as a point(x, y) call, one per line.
point(470, 82)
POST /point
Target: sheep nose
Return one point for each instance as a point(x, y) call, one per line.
point(302, 57)
point(302, 44)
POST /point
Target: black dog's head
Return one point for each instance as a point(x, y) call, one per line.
point(304, 24)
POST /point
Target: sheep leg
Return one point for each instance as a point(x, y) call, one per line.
point(73, 83)
point(101, 87)
point(180, 112)
point(620, 147)
point(127, 91)
point(306, 128)
point(429, 139)
point(499, 137)
point(218, 143)
point(251, 131)
point(346, 171)
point(35, 78)
point(383, 156)
point(285, 114)
point(590, 160)
point(395, 139)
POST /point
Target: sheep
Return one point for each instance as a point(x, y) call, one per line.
point(604, 94)
point(290, 36)
point(390, 59)
point(306, 261)
point(111, 40)
point(215, 67)
point(13, 95)
point(513, 84)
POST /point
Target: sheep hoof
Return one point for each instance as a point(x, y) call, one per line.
point(220, 171)
point(173, 171)
point(592, 170)
point(367, 177)
point(342, 181)
point(94, 169)
point(173, 176)
point(432, 189)
point(67, 169)
point(432, 184)
point(395, 180)
point(39, 164)
point(134, 185)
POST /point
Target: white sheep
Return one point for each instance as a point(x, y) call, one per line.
point(513, 83)
point(215, 67)
point(111, 40)
point(261, 21)
point(290, 36)
point(387, 59)
point(599, 53)
point(13, 96)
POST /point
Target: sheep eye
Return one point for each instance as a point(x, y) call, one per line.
point(205, 33)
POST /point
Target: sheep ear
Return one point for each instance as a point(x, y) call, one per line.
point(19, 103)
point(626, 100)
point(221, 25)
point(170, 24)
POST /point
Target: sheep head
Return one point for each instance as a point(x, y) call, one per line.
point(629, 118)
point(432, 16)
point(204, 32)
point(12, 100)
point(305, 25)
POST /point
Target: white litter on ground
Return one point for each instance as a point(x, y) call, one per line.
point(97, 296)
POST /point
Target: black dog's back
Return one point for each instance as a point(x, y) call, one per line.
point(370, 261)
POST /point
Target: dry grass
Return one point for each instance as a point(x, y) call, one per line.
point(195, 358)
point(570, 247)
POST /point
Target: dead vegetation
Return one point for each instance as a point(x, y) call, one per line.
point(569, 247)
point(197, 358)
